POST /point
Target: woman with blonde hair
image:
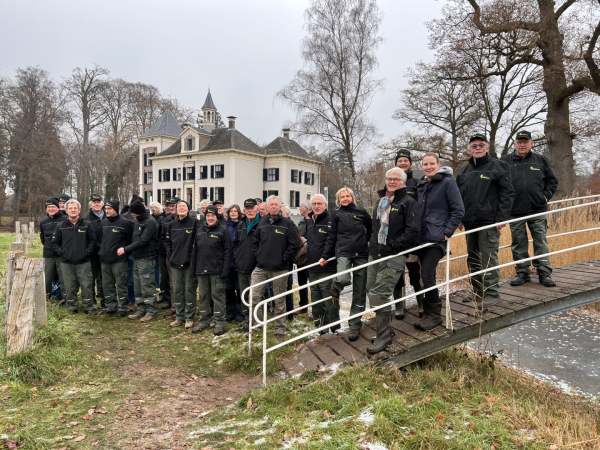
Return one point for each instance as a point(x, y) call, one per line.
point(349, 234)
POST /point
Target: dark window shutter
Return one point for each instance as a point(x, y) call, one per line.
point(212, 193)
point(204, 193)
point(145, 177)
point(277, 174)
point(276, 193)
point(292, 176)
point(160, 175)
point(212, 173)
point(145, 159)
point(174, 174)
point(264, 196)
point(193, 173)
point(292, 198)
point(297, 199)
point(222, 194)
point(265, 174)
point(300, 176)
point(312, 179)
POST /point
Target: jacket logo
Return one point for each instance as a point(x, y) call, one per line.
point(81, 231)
point(188, 231)
point(140, 228)
point(358, 218)
point(395, 209)
point(279, 232)
point(321, 230)
point(533, 168)
point(115, 231)
point(213, 236)
point(484, 177)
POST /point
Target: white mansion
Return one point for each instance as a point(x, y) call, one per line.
point(205, 162)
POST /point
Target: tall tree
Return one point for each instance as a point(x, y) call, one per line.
point(331, 96)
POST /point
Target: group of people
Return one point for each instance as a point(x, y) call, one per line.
point(222, 252)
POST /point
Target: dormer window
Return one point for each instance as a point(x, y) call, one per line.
point(189, 144)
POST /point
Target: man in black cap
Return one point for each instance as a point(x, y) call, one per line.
point(164, 266)
point(130, 261)
point(487, 192)
point(143, 248)
point(179, 242)
point(94, 217)
point(221, 209)
point(534, 184)
point(51, 258)
point(74, 240)
point(62, 200)
point(171, 214)
point(115, 232)
point(245, 262)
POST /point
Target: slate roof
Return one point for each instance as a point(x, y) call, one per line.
point(166, 125)
point(174, 149)
point(208, 103)
point(281, 145)
point(225, 138)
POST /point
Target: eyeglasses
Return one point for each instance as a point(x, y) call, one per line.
point(476, 146)
point(317, 203)
point(397, 180)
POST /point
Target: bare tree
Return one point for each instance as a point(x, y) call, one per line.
point(331, 96)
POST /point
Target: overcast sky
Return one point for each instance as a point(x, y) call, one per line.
point(244, 50)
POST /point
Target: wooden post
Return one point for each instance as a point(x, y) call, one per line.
point(10, 272)
point(31, 232)
point(18, 231)
point(20, 243)
point(19, 318)
point(41, 314)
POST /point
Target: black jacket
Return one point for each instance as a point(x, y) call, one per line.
point(160, 222)
point(487, 192)
point(115, 232)
point(179, 241)
point(411, 184)
point(275, 244)
point(211, 253)
point(74, 242)
point(47, 226)
point(242, 247)
point(144, 242)
point(94, 220)
point(317, 232)
point(532, 179)
point(441, 205)
point(349, 233)
point(404, 225)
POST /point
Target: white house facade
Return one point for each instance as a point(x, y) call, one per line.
point(204, 162)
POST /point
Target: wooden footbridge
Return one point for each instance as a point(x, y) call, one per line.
point(576, 285)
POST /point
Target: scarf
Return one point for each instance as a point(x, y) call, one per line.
point(383, 214)
point(249, 224)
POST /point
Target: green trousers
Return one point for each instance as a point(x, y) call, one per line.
point(144, 286)
point(482, 251)
point(520, 244)
point(114, 286)
point(75, 275)
point(97, 273)
point(212, 287)
point(279, 286)
point(184, 289)
point(165, 279)
point(244, 280)
point(381, 280)
point(359, 286)
point(328, 311)
point(51, 269)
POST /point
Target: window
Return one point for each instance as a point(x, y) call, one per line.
point(271, 174)
point(308, 196)
point(150, 155)
point(164, 175)
point(189, 144)
point(295, 176)
point(190, 173)
point(178, 192)
point(202, 193)
point(203, 175)
point(268, 193)
point(166, 194)
point(294, 199)
point(217, 171)
point(189, 195)
point(219, 194)
point(150, 176)
point(307, 177)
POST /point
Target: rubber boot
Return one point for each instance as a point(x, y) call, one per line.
point(399, 315)
point(420, 302)
point(392, 334)
point(383, 334)
point(319, 322)
point(432, 319)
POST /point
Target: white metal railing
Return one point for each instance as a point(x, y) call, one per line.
point(262, 323)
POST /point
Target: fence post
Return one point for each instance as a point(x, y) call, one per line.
point(20, 244)
point(19, 318)
point(449, 325)
point(31, 232)
point(41, 314)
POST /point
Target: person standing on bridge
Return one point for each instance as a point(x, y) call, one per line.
point(487, 192)
point(396, 225)
point(534, 184)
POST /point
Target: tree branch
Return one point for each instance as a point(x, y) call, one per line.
point(566, 5)
point(501, 28)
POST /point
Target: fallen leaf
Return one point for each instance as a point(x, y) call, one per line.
point(185, 349)
point(190, 383)
point(385, 386)
point(100, 426)
point(94, 383)
point(553, 447)
point(79, 438)
point(62, 420)
point(325, 414)
point(195, 377)
point(10, 428)
point(10, 444)
point(132, 352)
point(87, 417)
point(339, 397)
point(4, 387)
point(440, 418)
point(249, 403)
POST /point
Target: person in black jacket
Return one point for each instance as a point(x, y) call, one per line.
point(51, 259)
point(348, 240)
point(171, 214)
point(404, 162)
point(211, 262)
point(242, 253)
point(95, 216)
point(178, 243)
point(115, 232)
point(74, 240)
point(221, 210)
point(487, 192)
point(275, 244)
point(396, 224)
point(62, 201)
point(305, 211)
point(441, 211)
point(143, 248)
point(317, 231)
point(534, 184)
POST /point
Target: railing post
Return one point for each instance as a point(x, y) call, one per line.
point(449, 325)
point(250, 323)
point(264, 344)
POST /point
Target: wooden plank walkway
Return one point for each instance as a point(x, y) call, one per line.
point(576, 285)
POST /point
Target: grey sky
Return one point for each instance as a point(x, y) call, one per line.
point(244, 50)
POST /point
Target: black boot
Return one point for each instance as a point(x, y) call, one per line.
point(420, 303)
point(399, 314)
point(432, 318)
point(383, 333)
point(392, 334)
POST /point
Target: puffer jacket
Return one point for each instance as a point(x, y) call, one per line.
point(441, 206)
point(317, 232)
point(145, 239)
point(74, 242)
point(211, 254)
point(47, 226)
point(349, 233)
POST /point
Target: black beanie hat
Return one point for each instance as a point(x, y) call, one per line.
point(137, 207)
point(211, 209)
point(136, 197)
point(63, 198)
point(52, 201)
point(403, 154)
point(114, 204)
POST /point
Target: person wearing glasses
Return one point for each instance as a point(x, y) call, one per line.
point(396, 225)
point(348, 241)
point(534, 184)
point(442, 209)
point(487, 192)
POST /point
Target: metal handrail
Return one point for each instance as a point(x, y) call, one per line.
point(263, 303)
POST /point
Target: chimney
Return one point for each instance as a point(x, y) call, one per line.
point(231, 122)
point(286, 134)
